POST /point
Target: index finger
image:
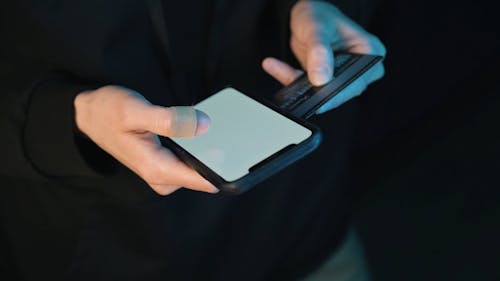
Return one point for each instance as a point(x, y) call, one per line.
point(319, 63)
point(162, 170)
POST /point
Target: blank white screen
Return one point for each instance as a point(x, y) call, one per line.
point(243, 132)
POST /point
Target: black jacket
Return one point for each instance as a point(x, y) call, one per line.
point(68, 209)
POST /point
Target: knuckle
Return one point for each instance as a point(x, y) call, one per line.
point(122, 117)
point(376, 44)
point(323, 32)
point(163, 120)
point(320, 49)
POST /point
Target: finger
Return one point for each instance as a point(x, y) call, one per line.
point(164, 172)
point(299, 50)
point(156, 165)
point(280, 70)
point(176, 121)
point(354, 89)
point(175, 172)
point(376, 46)
point(375, 73)
point(312, 33)
point(164, 189)
point(355, 39)
point(319, 63)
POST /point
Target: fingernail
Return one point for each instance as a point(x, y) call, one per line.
point(202, 122)
point(320, 77)
point(212, 189)
point(266, 63)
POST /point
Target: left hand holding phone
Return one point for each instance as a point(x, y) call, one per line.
point(124, 124)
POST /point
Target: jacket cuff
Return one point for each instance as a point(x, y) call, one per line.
point(51, 140)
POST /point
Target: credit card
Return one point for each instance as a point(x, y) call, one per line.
point(303, 99)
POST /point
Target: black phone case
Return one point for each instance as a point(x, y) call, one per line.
point(262, 170)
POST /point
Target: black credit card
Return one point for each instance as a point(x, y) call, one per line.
point(303, 99)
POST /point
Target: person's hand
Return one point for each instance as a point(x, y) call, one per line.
point(126, 125)
point(316, 28)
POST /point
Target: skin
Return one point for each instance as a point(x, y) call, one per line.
point(130, 134)
point(316, 27)
point(132, 124)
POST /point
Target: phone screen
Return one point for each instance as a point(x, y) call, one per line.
point(243, 133)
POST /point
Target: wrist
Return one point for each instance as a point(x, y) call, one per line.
point(80, 104)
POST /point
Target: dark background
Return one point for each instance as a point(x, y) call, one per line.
point(428, 145)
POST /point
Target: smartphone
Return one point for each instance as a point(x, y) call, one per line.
point(247, 142)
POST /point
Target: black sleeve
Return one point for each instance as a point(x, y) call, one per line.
point(40, 134)
point(51, 140)
point(38, 137)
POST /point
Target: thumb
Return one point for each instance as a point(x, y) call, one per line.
point(175, 121)
point(319, 65)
